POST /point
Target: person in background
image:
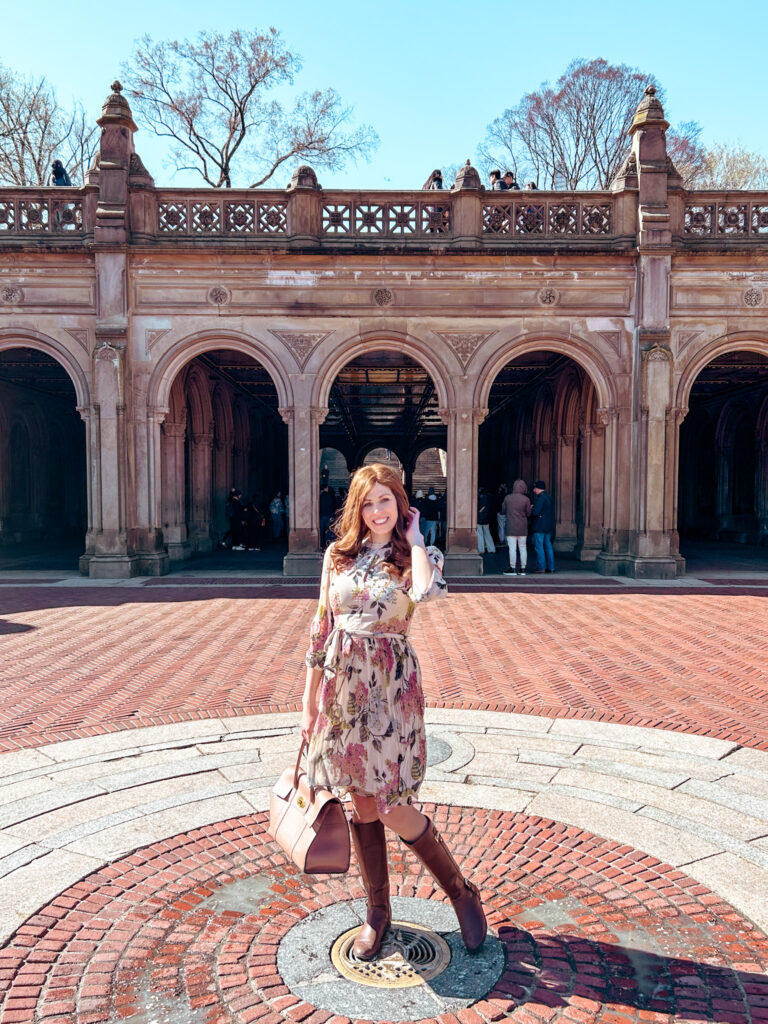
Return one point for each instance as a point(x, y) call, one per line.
point(58, 176)
point(510, 182)
point(236, 515)
point(496, 183)
point(431, 516)
point(484, 539)
point(277, 511)
point(517, 508)
point(543, 526)
point(325, 475)
point(326, 510)
point(501, 519)
point(254, 521)
point(434, 182)
point(532, 186)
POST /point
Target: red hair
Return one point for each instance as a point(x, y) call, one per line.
point(351, 530)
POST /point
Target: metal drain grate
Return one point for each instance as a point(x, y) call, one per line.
point(409, 955)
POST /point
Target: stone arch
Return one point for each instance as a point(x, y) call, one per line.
point(184, 350)
point(739, 341)
point(12, 337)
point(198, 395)
point(578, 349)
point(381, 341)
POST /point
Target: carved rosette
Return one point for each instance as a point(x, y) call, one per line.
point(465, 345)
point(301, 344)
point(753, 297)
point(548, 296)
point(218, 295)
point(383, 297)
point(11, 295)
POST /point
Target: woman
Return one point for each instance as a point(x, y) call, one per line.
point(363, 706)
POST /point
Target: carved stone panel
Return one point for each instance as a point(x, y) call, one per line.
point(301, 343)
point(465, 345)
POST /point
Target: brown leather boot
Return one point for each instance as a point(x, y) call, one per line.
point(431, 850)
point(371, 849)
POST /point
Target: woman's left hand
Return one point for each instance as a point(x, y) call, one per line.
point(413, 529)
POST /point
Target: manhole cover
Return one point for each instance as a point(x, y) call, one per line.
point(409, 955)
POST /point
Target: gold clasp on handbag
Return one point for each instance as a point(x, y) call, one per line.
point(300, 801)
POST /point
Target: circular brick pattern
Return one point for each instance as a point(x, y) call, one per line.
point(188, 930)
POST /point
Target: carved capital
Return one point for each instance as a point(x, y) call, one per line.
point(676, 414)
point(607, 415)
point(85, 412)
point(478, 415)
point(172, 429)
point(157, 413)
point(568, 440)
point(447, 416)
point(202, 440)
point(318, 414)
point(286, 414)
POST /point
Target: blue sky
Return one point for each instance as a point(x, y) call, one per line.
point(428, 77)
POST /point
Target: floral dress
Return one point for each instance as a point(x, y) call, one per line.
point(369, 734)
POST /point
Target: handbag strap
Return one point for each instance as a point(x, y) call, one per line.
point(304, 746)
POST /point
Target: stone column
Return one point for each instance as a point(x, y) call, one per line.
point(303, 558)
point(566, 532)
point(724, 497)
point(200, 467)
point(761, 490)
point(462, 558)
point(222, 474)
point(173, 487)
point(590, 539)
point(651, 553)
point(616, 487)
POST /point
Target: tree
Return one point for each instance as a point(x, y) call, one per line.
point(574, 135)
point(35, 129)
point(731, 167)
point(210, 98)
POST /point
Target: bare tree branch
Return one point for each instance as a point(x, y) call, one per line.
point(209, 97)
point(574, 135)
point(730, 167)
point(35, 129)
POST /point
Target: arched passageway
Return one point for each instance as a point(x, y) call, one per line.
point(223, 430)
point(383, 402)
point(723, 476)
point(43, 489)
point(542, 424)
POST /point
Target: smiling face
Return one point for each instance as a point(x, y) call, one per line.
point(379, 511)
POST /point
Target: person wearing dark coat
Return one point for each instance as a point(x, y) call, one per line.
point(58, 175)
point(326, 511)
point(517, 508)
point(236, 516)
point(254, 521)
point(496, 183)
point(434, 182)
point(484, 539)
point(542, 527)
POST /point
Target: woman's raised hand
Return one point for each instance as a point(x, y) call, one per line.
point(413, 529)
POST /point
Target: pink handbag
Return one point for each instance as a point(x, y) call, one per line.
point(309, 823)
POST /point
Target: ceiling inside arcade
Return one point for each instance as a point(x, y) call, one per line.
point(37, 373)
point(246, 376)
point(383, 398)
point(735, 373)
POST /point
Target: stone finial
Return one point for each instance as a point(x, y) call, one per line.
point(467, 178)
point(649, 111)
point(304, 177)
point(116, 108)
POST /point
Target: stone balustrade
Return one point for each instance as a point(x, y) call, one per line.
point(312, 217)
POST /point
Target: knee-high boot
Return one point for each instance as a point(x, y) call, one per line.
point(431, 850)
point(371, 849)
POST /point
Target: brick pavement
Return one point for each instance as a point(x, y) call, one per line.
point(188, 930)
point(83, 661)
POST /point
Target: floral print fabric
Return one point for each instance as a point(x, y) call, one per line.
point(369, 735)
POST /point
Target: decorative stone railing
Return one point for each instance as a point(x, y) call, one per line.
point(311, 217)
point(726, 215)
point(549, 215)
point(42, 211)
